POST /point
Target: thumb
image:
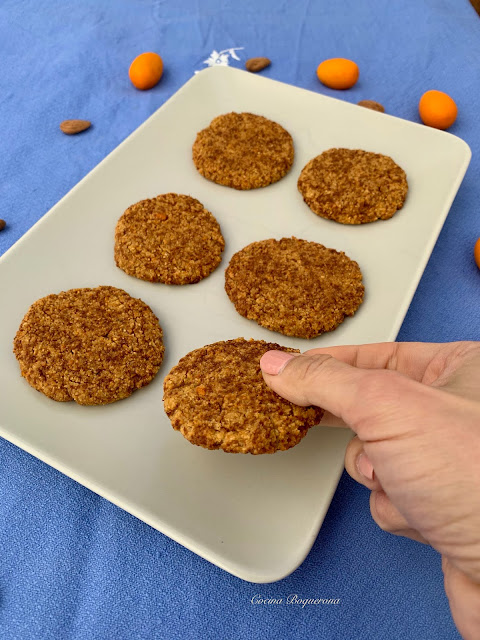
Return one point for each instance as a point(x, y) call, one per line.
point(375, 403)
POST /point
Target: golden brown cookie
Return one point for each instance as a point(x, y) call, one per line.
point(217, 398)
point(171, 238)
point(243, 151)
point(352, 186)
point(292, 286)
point(94, 346)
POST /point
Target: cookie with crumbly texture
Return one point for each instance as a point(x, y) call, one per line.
point(243, 151)
point(293, 286)
point(217, 398)
point(171, 239)
point(352, 186)
point(94, 346)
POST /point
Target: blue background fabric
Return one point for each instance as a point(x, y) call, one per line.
point(72, 565)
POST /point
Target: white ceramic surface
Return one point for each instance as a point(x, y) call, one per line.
point(255, 516)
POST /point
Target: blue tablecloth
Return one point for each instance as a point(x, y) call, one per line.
point(73, 565)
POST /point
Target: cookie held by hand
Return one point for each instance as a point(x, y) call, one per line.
point(217, 398)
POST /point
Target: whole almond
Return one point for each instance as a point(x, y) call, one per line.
point(3, 224)
point(257, 64)
point(71, 127)
point(371, 104)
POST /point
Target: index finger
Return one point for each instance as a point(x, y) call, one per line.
point(409, 358)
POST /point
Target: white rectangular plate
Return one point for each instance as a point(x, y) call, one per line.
point(254, 516)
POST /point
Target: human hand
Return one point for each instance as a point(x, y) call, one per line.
point(415, 409)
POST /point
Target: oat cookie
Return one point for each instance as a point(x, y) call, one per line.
point(217, 398)
point(94, 346)
point(243, 151)
point(352, 186)
point(293, 286)
point(171, 239)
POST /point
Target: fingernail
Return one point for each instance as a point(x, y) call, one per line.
point(273, 362)
point(364, 466)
